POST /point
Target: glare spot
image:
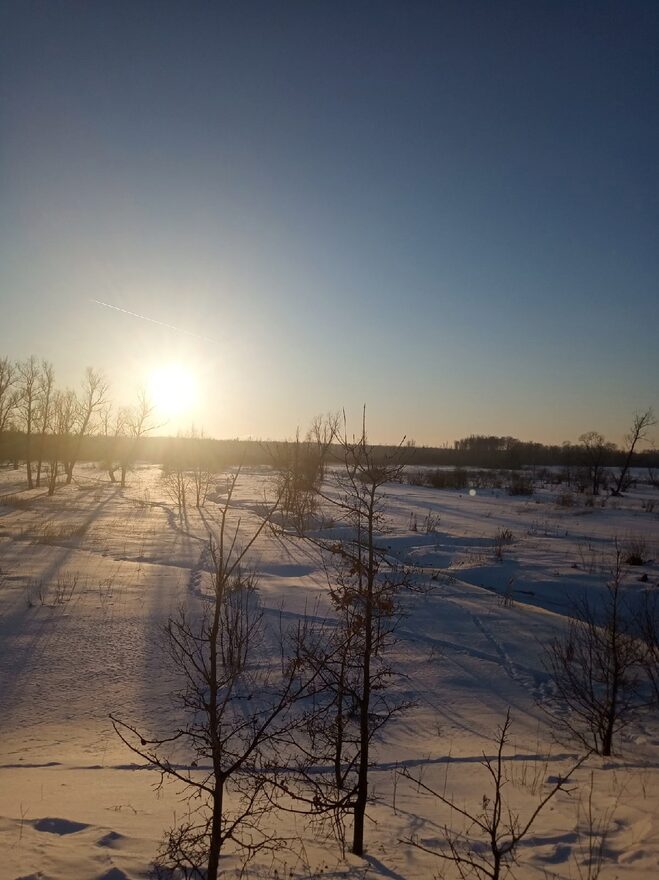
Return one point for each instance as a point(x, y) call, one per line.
point(173, 389)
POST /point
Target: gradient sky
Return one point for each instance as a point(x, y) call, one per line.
point(447, 211)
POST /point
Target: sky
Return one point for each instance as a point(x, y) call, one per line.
point(447, 212)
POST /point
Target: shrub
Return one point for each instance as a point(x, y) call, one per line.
point(520, 484)
point(635, 550)
point(431, 523)
point(455, 479)
point(54, 533)
point(416, 478)
point(14, 500)
point(502, 538)
point(565, 499)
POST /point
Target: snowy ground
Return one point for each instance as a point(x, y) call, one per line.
point(87, 579)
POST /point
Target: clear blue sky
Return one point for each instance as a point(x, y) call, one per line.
point(447, 211)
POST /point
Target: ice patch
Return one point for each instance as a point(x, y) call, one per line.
point(112, 839)
point(58, 826)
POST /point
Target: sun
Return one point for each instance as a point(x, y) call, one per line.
point(173, 389)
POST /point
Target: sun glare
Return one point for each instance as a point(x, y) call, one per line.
point(173, 389)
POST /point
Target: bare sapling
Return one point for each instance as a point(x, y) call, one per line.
point(489, 844)
point(236, 708)
point(301, 467)
point(599, 667)
point(365, 587)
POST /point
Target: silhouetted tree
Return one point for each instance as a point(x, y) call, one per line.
point(92, 398)
point(638, 433)
point(8, 396)
point(595, 451)
point(65, 408)
point(201, 467)
point(45, 392)
point(114, 433)
point(176, 477)
point(138, 421)
point(28, 383)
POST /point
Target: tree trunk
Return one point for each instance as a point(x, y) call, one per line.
point(338, 752)
point(362, 778)
point(607, 739)
point(28, 458)
point(364, 738)
point(215, 843)
point(52, 478)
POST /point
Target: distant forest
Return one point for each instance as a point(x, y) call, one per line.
point(50, 429)
point(475, 451)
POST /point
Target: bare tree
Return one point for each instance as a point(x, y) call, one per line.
point(92, 398)
point(568, 459)
point(8, 395)
point(237, 708)
point(596, 451)
point(638, 433)
point(138, 421)
point(320, 436)
point(114, 432)
point(364, 588)
point(599, 668)
point(176, 477)
point(64, 412)
point(177, 483)
point(28, 384)
point(201, 467)
point(45, 392)
point(488, 848)
point(301, 467)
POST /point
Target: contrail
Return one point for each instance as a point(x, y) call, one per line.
point(99, 302)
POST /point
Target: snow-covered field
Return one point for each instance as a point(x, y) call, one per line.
point(89, 577)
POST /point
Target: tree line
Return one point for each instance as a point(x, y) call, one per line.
point(50, 429)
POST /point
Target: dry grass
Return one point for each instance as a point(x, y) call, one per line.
point(15, 500)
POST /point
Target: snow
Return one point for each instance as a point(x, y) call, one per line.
point(89, 577)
